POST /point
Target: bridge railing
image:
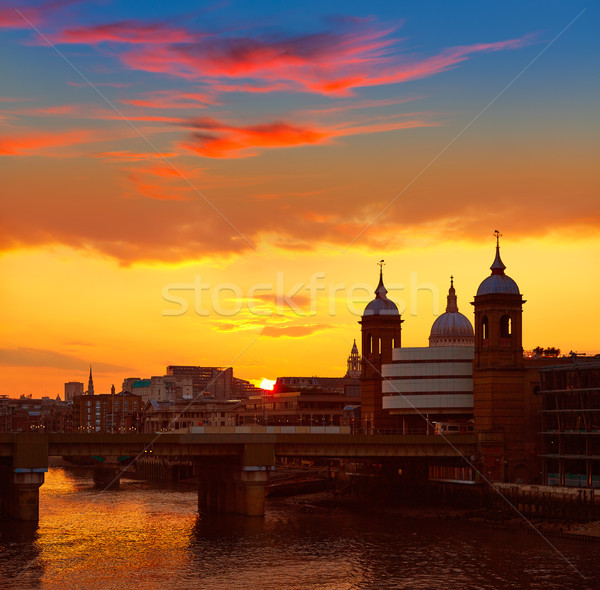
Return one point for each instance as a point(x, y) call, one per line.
point(252, 429)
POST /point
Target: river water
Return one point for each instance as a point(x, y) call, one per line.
point(146, 537)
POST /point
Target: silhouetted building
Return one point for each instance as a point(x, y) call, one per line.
point(107, 412)
point(90, 389)
point(354, 363)
point(309, 406)
point(212, 381)
point(243, 389)
point(174, 416)
point(26, 414)
point(570, 396)
point(425, 386)
point(506, 404)
point(73, 388)
point(381, 326)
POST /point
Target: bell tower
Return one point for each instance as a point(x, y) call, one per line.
point(381, 326)
point(498, 319)
point(354, 363)
point(499, 373)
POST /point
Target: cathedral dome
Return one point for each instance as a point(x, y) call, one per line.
point(381, 305)
point(452, 328)
point(498, 282)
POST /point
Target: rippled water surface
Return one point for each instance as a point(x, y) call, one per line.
point(143, 537)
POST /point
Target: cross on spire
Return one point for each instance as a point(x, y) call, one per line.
point(497, 234)
point(381, 291)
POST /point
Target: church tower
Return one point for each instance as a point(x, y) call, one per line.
point(354, 364)
point(499, 404)
point(90, 390)
point(381, 325)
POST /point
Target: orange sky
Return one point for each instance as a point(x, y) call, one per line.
point(145, 155)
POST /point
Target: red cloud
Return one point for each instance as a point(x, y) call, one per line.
point(286, 63)
point(31, 143)
point(220, 140)
point(172, 99)
point(327, 63)
point(151, 189)
point(124, 32)
point(22, 17)
point(126, 156)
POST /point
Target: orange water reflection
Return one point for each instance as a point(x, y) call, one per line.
point(101, 539)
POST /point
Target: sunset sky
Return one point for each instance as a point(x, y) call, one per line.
point(213, 183)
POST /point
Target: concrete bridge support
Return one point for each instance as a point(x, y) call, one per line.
point(107, 475)
point(229, 489)
point(230, 485)
point(21, 476)
point(20, 493)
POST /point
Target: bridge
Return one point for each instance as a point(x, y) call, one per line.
point(233, 466)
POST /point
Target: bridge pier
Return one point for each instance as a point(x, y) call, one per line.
point(107, 475)
point(225, 485)
point(232, 490)
point(20, 493)
point(21, 475)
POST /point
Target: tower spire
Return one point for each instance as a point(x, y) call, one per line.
point(452, 306)
point(381, 291)
point(90, 383)
point(498, 266)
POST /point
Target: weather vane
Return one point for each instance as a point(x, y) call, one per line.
point(497, 234)
point(381, 263)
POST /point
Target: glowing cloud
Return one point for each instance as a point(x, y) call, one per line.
point(221, 140)
point(124, 32)
point(31, 143)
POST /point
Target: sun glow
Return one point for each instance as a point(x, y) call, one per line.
point(267, 384)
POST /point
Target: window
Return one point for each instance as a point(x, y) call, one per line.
point(485, 328)
point(505, 326)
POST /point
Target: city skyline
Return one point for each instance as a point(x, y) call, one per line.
point(228, 157)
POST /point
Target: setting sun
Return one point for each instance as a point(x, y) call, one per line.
point(267, 384)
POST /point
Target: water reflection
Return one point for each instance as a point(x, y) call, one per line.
point(145, 536)
point(20, 563)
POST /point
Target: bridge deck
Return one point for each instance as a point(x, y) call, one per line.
point(232, 444)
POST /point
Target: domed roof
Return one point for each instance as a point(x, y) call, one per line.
point(381, 305)
point(451, 328)
point(498, 282)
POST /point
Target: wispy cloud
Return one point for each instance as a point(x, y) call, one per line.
point(36, 357)
point(294, 331)
point(353, 53)
point(172, 99)
point(31, 143)
point(130, 32)
point(216, 139)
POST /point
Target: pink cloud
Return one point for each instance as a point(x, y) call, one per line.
point(219, 140)
point(215, 139)
point(126, 156)
point(151, 189)
point(17, 16)
point(31, 143)
point(172, 99)
point(325, 63)
point(125, 32)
